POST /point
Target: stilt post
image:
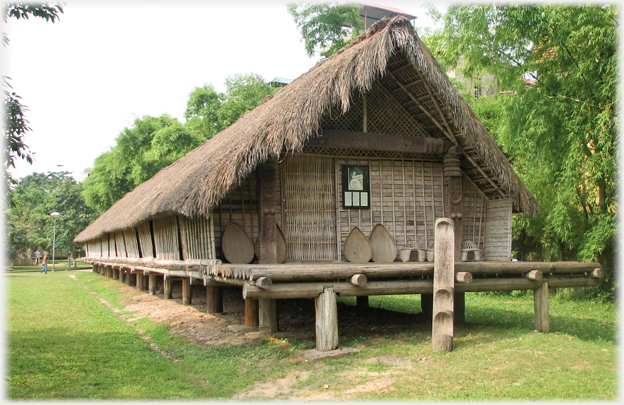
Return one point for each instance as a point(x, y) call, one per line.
point(540, 299)
point(326, 321)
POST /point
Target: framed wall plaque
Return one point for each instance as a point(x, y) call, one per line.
point(355, 187)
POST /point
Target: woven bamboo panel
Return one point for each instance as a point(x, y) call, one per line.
point(104, 245)
point(383, 115)
point(197, 237)
point(112, 252)
point(146, 244)
point(497, 245)
point(120, 245)
point(406, 197)
point(166, 238)
point(309, 208)
point(132, 243)
point(323, 150)
point(474, 216)
point(240, 205)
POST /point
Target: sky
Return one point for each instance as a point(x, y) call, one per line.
point(103, 64)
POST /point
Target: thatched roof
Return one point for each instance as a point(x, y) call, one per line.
point(389, 52)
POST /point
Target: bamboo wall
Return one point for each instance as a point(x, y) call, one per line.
point(120, 245)
point(240, 205)
point(166, 238)
point(498, 230)
point(309, 208)
point(474, 216)
point(197, 237)
point(146, 242)
point(406, 197)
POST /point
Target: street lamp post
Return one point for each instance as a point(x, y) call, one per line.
point(54, 215)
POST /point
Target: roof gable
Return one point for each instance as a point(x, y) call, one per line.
point(389, 59)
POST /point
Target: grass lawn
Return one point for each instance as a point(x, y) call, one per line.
point(63, 343)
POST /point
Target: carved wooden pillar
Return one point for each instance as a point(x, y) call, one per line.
point(454, 208)
point(443, 286)
point(267, 243)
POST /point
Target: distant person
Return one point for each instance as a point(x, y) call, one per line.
point(45, 262)
point(37, 257)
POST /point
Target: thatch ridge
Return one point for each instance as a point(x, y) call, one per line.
point(195, 183)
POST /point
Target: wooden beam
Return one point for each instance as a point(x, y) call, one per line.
point(381, 142)
point(152, 284)
point(525, 267)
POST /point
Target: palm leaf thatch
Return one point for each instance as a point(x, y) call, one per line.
point(283, 124)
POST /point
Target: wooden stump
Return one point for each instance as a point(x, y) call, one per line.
point(121, 275)
point(187, 297)
point(130, 279)
point(267, 315)
point(214, 299)
point(540, 299)
point(326, 321)
point(152, 284)
point(251, 312)
point(443, 285)
point(168, 287)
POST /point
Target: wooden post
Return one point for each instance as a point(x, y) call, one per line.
point(251, 312)
point(186, 291)
point(362, 301)
point(326, 321)
point(168, 287)
point(214, 299)
point(267, 242)
point(540, 299)
point(443, 285)
point(459, 307)
point(121, 275)
point(139, 281)
point(152, 284)
point(426, 304)
point(267, 314)
point(130, 279)
point(453, 196)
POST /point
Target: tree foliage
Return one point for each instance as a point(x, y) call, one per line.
point(28, 219)
point(329, 26)
point(556, 67)
point(210, 112)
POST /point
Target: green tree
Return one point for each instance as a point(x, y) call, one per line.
point(140, 152)
point(210, 112)
point(556, 67)
point(28, 219)
point(16, 125)
point(327, 25)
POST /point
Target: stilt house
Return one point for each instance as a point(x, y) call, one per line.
point(285, 201)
